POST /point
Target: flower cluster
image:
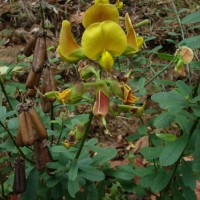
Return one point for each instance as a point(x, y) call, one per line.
point(103, 38)
point(102, 41)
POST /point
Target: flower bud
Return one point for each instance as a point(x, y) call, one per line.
point(76, 93)
point(87, 72)
point(116, 89)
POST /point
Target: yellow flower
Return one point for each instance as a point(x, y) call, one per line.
point(102, 1)
point(63, 96)
point(100, 12)
point(103, 41)
point(68, 49)
point(134, 42)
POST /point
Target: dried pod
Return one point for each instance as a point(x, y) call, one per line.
point(31, 92)
point(29, 48)
point(49, 82)
point(41, 154)
point(19, 140)
point(39, 55)
point(37, 124)
point(26, 129)
point(45, 102)
point(19, 185)
point(33, 80)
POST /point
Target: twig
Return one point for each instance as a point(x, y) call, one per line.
point(85, 135)
point(2, 186)
point(5, 93)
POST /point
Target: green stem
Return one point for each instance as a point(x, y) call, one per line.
point(13, 140)
point(157, 74)
point(52, 124)
point(42, 14)
point(85, 135)
point(120, 68)
point(1, 182)
point(5, 93)
point(61, 130)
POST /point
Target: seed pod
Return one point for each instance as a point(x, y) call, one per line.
point(26, 129)
point(49, 82)
point(31, 92)
point(41, 154)
point(33, 79)
point(39, 54)
point(45, 103)
point(19, 185)
point(19, 140)
point(29, 48)
point(37, 124)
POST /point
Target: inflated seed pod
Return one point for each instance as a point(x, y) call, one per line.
point(31, 92)
point(18, 139)
point(19, 185)
point(45, 102)
point(41, 154)
point(37, 124)
point(39, 54)
point(26, 129)
point(33, 79)
point(29, 48)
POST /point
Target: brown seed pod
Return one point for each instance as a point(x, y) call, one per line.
point(49, 82)
point(29, 48)
point(19, 140)
point(33, 79)
point(41, 154)
point(31, 92)
point(45, 102)
point(19, 185)
point(39, 54)
point(26, 129)
point(37, 124)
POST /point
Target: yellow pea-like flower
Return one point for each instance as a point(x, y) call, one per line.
point(104, 41)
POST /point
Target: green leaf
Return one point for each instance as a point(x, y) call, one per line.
point(166, 136)
point(191, 42)
point(91, 173)
point(171, 101)
point(73, 171)
point(73, 187)
point(189, 193)
point(151, 153)
point(173, 151)
point(183, 89)
point(31, 186)
point(163, 120)
point(187, 175)
point(62, 149)
point(13, 123)
point(157, 181)
point(165, 56)
point(3, 112)
point(191, 18)
point(196, 161)
point(92, 192)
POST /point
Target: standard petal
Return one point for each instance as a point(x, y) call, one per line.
point(100, 12)
point(100, 37)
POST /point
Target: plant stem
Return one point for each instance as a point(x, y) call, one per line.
point(1, 182)
point(42, 14)
point(13, 140)
point(85, 135)
point(5, 93)
point(157, 74)
point(61, 130)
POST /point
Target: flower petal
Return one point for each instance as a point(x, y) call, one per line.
point(101, 105)
point(100, 12)
point(134, 42)
point(106, 61)
point(102, 1)
point(105, 36)
point(68, 49)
